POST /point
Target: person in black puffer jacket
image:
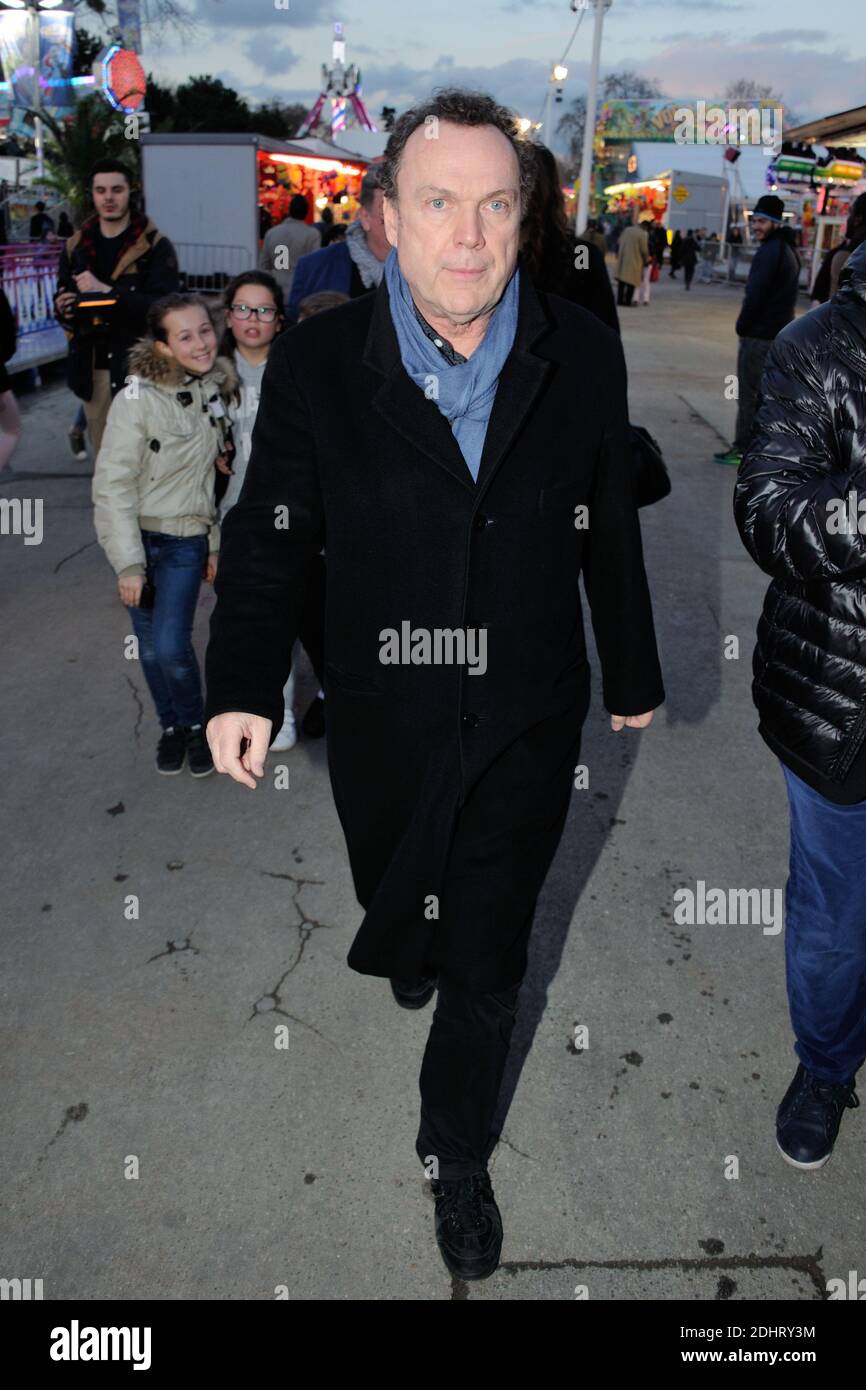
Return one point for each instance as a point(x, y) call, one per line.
point(800, 506)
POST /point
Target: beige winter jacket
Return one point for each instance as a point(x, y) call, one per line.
point(156, 469)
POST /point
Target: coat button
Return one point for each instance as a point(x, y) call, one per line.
point(481, 521)
point(470, 720)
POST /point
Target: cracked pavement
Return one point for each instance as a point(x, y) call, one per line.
point(261, 1166)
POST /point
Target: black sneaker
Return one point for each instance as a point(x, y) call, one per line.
point(468, 1225)
point(411, 994)
point(198, 752)
point(313, 722)
point(808, 1119)
point(76, 443)
point(171, 751)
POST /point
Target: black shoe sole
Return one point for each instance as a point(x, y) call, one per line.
point(414, 1001)
point(205, 772)
point(170, 771)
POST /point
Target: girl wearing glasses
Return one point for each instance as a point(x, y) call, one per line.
point(253, 318)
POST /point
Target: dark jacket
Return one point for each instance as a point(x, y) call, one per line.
point(771, 289)
point(330, 268)
point(452, 788)
point(687, 256)
point(587, 285)
point(808, 450)
point(145, 271)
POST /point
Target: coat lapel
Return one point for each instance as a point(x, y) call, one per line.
point(420, 421)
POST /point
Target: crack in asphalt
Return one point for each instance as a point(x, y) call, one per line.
point(134, 688)
point(696, 415)
point(73, 554)
point(272, 1001)
point(808, 1265)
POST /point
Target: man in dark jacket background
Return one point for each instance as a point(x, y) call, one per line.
point(117, 253)
point(353, 265)
point(427, 431)
point(768, 305)
point(800, 505)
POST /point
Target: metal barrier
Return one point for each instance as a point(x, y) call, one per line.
point(207, 267)
point(28, 274)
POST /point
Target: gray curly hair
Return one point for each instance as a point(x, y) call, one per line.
point(461, 107)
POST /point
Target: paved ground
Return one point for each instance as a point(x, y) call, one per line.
point(152, 1041)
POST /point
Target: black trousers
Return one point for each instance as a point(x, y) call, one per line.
point(460, 1078)
point(624, 293)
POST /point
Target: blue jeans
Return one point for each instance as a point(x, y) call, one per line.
point(825, 931)
point(175, 565)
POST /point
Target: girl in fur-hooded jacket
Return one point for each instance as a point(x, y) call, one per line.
point(156, 467)
point(155, 509)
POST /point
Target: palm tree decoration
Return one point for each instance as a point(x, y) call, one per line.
point(92, 132)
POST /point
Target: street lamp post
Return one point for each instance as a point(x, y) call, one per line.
point(589, 131)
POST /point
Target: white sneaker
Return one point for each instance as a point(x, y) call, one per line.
point(287, 737)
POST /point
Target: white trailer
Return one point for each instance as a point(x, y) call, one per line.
point(202, 191)
point(694, 200)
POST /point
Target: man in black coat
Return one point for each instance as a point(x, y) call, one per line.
point(768, 306)
point(456, 668)
point(800, 505)
point(118, 255)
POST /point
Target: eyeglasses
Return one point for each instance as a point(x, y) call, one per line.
point(266, 312)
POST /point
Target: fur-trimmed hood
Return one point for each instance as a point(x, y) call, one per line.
point(167, 372)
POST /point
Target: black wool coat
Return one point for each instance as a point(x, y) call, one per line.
point(452, 787)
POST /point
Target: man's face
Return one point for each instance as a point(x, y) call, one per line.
point(374, 227)
point(456, 222)
point(111, 196)
point(761, 226)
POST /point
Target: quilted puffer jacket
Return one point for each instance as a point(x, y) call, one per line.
point(156, 467)
point(800, 506)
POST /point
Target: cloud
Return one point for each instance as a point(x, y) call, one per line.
point(771, 36)
point(268, 56)
point(813, 85)
point(242, 14)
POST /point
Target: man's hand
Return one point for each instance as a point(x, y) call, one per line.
point(130, 589)
point(88, 284)
point(224, 735)
point(631, 721)
point(223, 464)
point(210, 568)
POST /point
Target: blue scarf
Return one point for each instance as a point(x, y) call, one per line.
point(466, 389)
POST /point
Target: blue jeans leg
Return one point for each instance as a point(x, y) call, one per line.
point(825, 931)
point(174, 566)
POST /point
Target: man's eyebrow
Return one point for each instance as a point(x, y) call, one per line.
point(433, 188)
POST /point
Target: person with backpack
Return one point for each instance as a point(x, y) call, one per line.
point(155, 509)
point(111, 271)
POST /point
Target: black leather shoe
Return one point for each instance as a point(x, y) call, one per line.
point(313, 722)
point(411, 994)
point(468, 1225)
point(808, 1119)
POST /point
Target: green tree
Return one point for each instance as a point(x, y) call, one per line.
point(206, 103)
